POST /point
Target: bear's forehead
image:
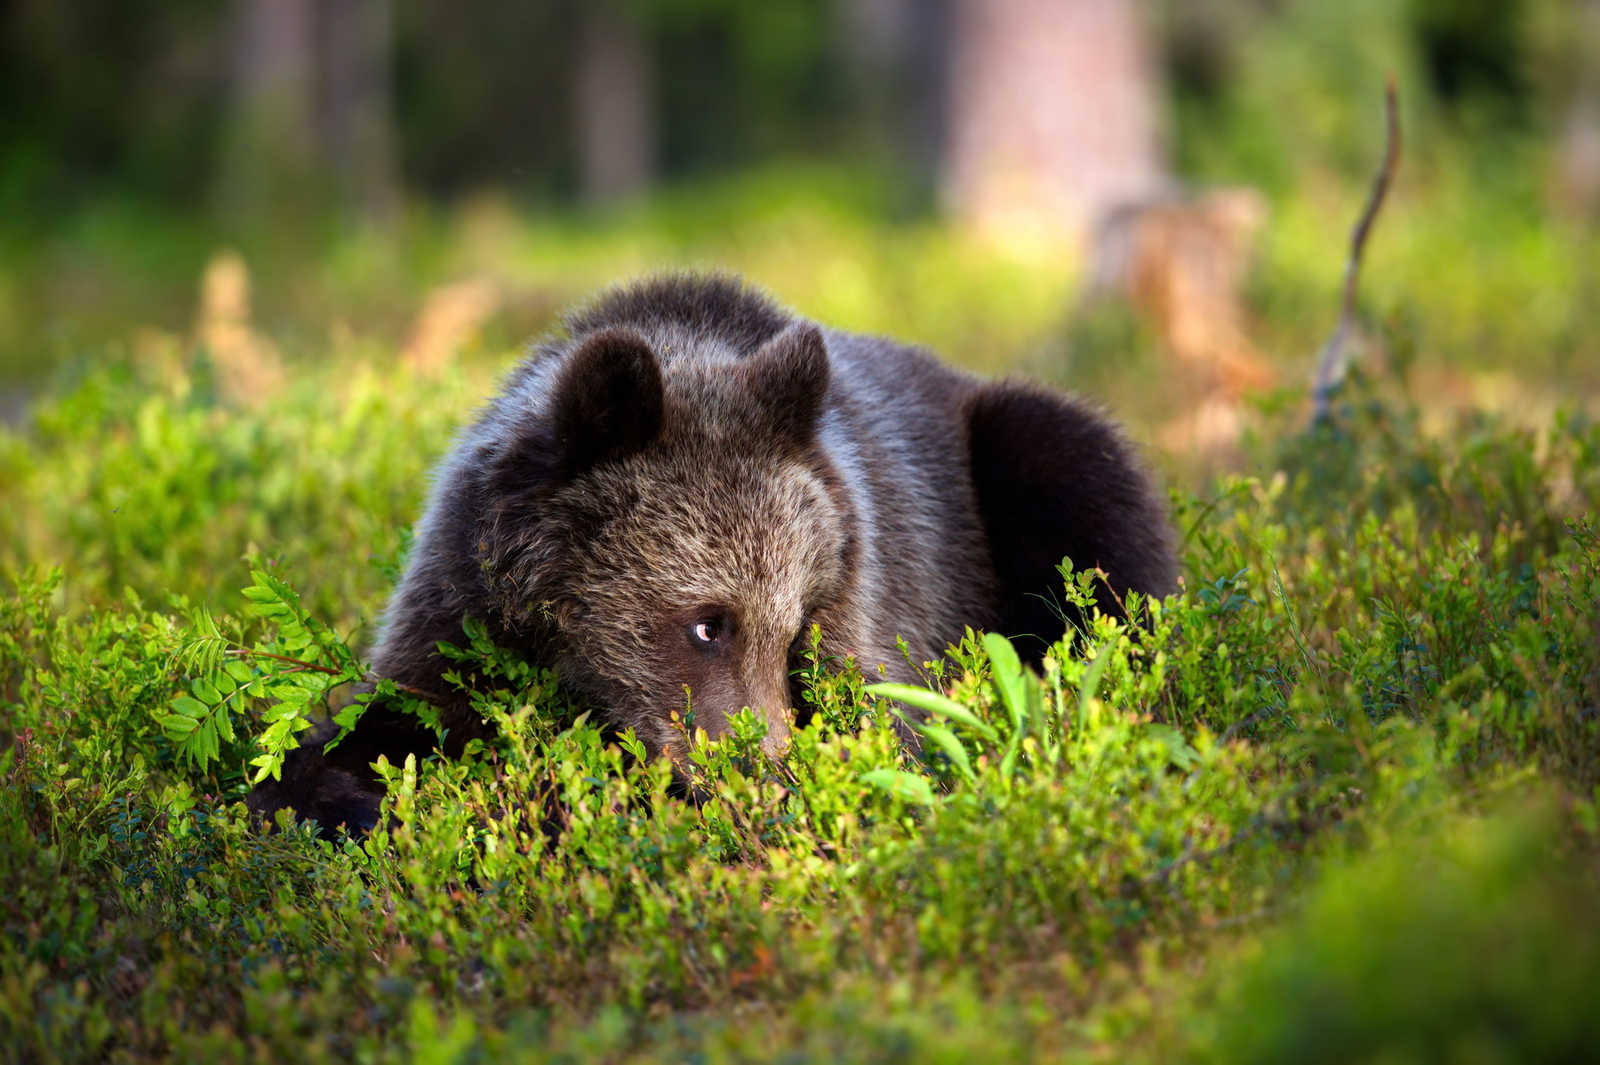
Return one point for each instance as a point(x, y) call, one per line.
point(709, 404)
point(720, 515)
point(735, 532)
point(674, 487)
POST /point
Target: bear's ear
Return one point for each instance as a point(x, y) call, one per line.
point(789, 379)
point(607, 400)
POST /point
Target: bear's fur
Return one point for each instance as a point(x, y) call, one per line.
point(670, 496)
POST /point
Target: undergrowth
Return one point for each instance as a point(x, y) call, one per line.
point(1333, 800)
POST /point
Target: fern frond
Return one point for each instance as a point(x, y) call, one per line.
point(203, 651)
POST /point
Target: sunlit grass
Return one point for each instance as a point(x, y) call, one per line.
point(1385, 639)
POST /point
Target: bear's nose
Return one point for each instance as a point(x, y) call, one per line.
point(776, 742)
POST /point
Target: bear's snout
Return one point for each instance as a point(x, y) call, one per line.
point(776, 742)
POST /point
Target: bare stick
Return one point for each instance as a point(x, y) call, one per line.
point(299, 663)
point(1334, 360)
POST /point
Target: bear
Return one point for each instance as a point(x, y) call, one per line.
point(661, 504)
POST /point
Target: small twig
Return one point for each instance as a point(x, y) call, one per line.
point(417, 693)
point(302, 663)
point(1225, 923)
point(1205, 512)
point(1245, 722)
point(1333, 361)
point(1189, 856)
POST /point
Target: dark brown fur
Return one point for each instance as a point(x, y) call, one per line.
point(692, 453)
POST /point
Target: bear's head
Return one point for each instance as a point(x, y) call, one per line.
point(665, 527)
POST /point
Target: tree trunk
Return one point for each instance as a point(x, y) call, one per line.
point(898, 53)
point(1053, 116)
point(357, 106)
point(270, 143)
point(1578, 157)
point(615, 108)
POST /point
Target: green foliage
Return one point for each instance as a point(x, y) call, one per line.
point(1385, 641)
point(1334, 800)
point(155, 486)
point(1471, 938)
point(292, 672)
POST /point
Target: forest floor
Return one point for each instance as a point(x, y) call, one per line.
point(1335, 801)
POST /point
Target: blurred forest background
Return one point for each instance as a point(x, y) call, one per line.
point(1336, 802)
point(1147, 199)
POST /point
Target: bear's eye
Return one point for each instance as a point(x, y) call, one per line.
point(707, 631)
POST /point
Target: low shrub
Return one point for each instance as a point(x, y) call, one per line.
point(1277, 817)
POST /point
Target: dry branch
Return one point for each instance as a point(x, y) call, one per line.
point(1334, 360)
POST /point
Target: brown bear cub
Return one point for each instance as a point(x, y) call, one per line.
point(668, 498)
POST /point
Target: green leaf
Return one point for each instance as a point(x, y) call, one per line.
point(348, 715)
point(1009, 679)
point(346, 719)
point(294, 639)
point(205, 742)
point(1091, 679)
point(933, 703)
point(633, 745)
point(269, 766)
point(224, 723)
point(191, 707)
point(1179, 752)
point(947, 742)
point(286, 709)
point(1008, 761)
point(177, 724)
point(910, 787)
point(205, 692)
point(203, 651)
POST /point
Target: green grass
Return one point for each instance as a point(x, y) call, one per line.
point(1334, 802)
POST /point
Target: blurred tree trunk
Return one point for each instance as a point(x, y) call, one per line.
point(1579, 155)
point(357, 106)
point(897, 50)
point(311, 110)
point(269, 162)
point(1054, 115)
point(615, 106)
point(1578, 171)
